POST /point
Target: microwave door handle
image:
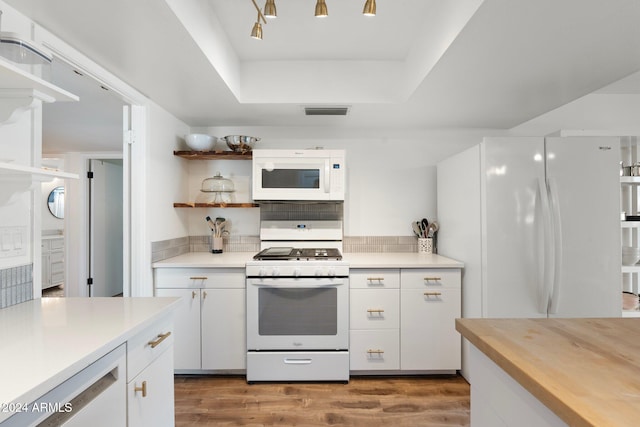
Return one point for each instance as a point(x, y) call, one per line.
point(327, 176)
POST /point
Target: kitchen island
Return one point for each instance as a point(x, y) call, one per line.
point(55, 351)
point(554, 372)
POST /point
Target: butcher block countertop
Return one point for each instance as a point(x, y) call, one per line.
point(355, 260)
point(587, 371)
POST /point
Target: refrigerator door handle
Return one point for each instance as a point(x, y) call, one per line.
point(546, 270)
point(557, 250)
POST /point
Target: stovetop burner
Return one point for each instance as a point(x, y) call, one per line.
point(288, 253)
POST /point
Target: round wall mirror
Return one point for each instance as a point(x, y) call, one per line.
point(55, 201)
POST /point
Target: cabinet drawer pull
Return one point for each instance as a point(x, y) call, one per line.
point(198, 277)
point(432, 294)
point(375, 351)
point(375, 310)
point(375, 279)
point(435, 279)
point(161, 337)
point(143, 389)
point(193, 294)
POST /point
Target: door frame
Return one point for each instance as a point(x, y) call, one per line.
point(135, 264)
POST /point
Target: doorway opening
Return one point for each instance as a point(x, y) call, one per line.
point(88, 137)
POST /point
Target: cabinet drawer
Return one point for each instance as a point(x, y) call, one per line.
point(225, 278)
point(430, 278)
point(56, 244)
point(57, 267)
point(147, 346)
point(374, 308)
point(57, 278)
point(380, 278)
point(374, 350)
point(57, 256)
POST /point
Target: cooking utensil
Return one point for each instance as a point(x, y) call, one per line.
point(424, 225)
point(416, 229)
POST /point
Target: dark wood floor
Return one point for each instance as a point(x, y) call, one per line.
point(365, 401)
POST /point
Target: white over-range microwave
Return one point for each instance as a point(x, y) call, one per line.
point(298, 174)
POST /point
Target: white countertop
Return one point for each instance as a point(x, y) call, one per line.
point(355, 260)
point(399, 260)
point(45, 341)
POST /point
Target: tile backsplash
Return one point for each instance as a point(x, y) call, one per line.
point(16, 285)
point(359, 244)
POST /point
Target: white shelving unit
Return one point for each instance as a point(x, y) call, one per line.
point(630, 230)
point(19, 92)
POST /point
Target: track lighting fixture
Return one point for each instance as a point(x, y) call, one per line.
point(369, 8)
point(321, 12)
point(256, 31)
point(270, 9)
point(321, 9)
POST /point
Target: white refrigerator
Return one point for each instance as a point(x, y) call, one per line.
point(536, 222)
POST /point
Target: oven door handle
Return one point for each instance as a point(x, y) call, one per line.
point(289, 361)
point(290, 285)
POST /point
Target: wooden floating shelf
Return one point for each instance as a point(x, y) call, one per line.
point(215, 205)
point(213, 155)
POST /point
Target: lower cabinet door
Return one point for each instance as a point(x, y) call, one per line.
point(186, 327)
point(150, 395)
point(428, 337)
point(224, 343)
point(374, 350)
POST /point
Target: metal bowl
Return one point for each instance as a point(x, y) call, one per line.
point(240, 143)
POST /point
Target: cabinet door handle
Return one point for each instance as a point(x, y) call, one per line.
point(143, 389)
point(375, 310)
point(375, 351)
point(198, 277)
point(161, 337)
point(435, 279)
point(204, 294)
point(193, 294)
point(432, 294)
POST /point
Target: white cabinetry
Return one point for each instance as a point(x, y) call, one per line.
point(630, 205)
point(431, 301)
point(374, 320)
point(404, 319)
point(150, 377)
point(210, 324)
point(52, 262)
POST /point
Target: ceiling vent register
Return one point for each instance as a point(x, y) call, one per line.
point(326, 111)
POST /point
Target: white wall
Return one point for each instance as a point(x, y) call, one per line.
point(391, 175)
point(167, 180)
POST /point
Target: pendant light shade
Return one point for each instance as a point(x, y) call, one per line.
point(256, 32)
point(270, 9)
point(321, 9)
point(369, 8)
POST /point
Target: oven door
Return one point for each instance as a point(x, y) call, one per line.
point(297, 314)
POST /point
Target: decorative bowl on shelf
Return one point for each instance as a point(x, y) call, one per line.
point(200, 141)
point(240, 143)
